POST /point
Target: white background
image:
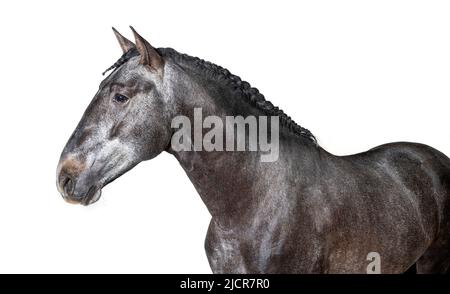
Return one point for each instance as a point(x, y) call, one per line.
point(356, 73)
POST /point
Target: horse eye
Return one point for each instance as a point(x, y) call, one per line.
point(120, 98)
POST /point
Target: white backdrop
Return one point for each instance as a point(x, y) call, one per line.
point(356, 73)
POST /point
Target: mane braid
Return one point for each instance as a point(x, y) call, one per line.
point(252, 94)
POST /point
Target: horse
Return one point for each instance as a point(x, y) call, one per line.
point(308, 211)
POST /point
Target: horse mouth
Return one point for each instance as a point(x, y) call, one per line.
point(92, 196)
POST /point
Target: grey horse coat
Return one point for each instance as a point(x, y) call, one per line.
point(307, 212)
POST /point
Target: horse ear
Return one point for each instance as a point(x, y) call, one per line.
point(149, 55)
point(124, 43)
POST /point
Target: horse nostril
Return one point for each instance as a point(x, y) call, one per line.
point(69, 171)
point(67, 185)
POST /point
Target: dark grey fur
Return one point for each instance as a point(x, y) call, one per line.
point(308, 212)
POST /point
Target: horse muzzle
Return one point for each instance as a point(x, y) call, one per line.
point(72, 189)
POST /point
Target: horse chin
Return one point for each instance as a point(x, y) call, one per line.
point(92, 196)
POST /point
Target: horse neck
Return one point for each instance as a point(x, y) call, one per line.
point(225, 180)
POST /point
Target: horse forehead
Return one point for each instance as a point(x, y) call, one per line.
point(130, 71)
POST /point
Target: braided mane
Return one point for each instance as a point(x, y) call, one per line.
point(234, 82)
